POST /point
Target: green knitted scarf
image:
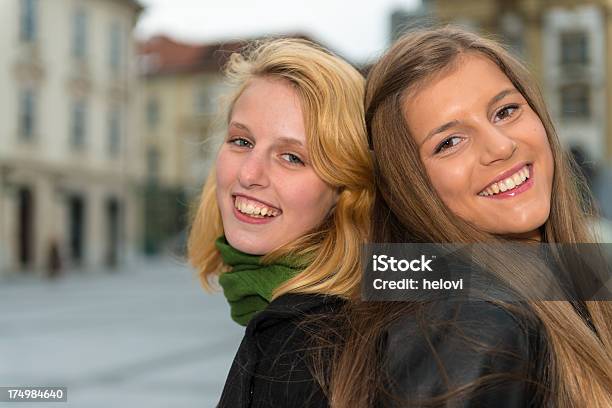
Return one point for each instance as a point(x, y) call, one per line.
point(249, 285)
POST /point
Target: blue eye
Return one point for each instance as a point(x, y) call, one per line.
point(505, 112)
point(447, 144)
point(240, 142)
point(292, 158)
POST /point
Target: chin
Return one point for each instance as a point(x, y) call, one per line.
point(519, 223)
point(517, 231)
point(245, 244)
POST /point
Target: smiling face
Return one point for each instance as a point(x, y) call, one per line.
point(484, 149)
point(267, 190)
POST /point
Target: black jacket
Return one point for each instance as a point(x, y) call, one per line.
point(494, 355)
point(422, 355)
point(272, 366)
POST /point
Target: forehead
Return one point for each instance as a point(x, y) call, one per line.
point(269, 106)
point(470, 84)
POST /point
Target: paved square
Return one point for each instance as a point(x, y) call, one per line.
point(145, 336)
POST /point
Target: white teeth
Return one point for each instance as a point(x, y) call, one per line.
point(253, 208)
point(509, 183)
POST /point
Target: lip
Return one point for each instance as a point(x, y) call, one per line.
point(517, 190)
point(257, 199)
point(506, 174)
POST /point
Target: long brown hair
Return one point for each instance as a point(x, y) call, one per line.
point(407, 209)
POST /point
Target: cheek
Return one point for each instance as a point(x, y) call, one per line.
point(308, 198)
point(548, 158)
point(451, 180)
point(226, 170)
point(540, 144)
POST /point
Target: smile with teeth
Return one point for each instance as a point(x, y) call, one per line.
point(254, 209)
point(506, 184)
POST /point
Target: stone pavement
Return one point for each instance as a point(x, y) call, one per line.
point(146, 336)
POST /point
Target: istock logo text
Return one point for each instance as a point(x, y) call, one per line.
point(384, 263)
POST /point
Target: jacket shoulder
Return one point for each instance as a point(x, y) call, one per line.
point(472, 353)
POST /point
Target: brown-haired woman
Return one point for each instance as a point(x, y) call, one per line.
point(465, 151)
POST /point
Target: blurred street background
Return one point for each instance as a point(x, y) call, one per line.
point(143, 336)
point(110, 116)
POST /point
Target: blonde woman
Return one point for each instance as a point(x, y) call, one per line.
point(284, 212)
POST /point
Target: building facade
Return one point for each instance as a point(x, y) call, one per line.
point(181, 101)
point(565, 43)
point(68, 177)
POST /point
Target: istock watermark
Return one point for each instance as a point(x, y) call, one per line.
point(505, 272)
point(383, 263)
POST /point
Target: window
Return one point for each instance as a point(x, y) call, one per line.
point(575, 101)
point(574, 48)
point(202, 101)
point(153, 164)
point(512, 28)
point(79, 113)
point(28, 20)
point(152, 113)
point(205, 99)
point(27, 114)
point(79, 33)
point(115, 46)
point(114, 133)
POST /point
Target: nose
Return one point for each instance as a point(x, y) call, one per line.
point(253, 171)
point(497, 145)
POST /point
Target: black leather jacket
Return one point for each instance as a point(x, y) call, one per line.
point(272, 367)
point(494, 356)
point(491, 357)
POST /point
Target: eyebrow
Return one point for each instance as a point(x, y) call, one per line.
point(501, 96)
point(440, 129)
point(280, 140)
point(240, 126)
point(453, 123)
point(290, 141)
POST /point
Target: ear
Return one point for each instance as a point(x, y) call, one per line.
point(337, 192)
point(335, 198)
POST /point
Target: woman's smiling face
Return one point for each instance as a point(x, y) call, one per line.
point(485, 150)
point(267, 190)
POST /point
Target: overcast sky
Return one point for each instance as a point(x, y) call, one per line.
point(359, 30)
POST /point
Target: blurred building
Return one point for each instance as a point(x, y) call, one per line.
point(67, 136)
point(182, 87)
point(565, 43)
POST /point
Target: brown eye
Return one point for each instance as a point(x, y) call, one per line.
point(505, 112)
point(448, 143)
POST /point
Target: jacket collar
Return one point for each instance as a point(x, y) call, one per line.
point(294, 305)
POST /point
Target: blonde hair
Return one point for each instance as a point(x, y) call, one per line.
point(331, 93)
